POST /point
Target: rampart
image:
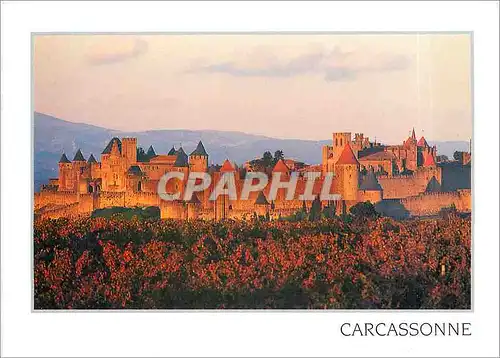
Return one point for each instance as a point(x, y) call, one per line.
point(398, 187)
point(431, 203)
point(127, 199)
point(44, 198)
point(56, 211)
point(403, 186)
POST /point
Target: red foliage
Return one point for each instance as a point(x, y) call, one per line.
point(379, 263)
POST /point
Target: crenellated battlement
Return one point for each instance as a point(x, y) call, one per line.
point(432, 203)
point(123, 179)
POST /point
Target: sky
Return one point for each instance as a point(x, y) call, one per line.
point(283, 86)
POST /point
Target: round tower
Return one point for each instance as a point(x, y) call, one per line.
point(79, 161)
point(261, 205)
point(347, 171)
point(370, 189)
point(65, 169)
point(193, 207)
point(198, 159)
point(339, 142)
point(94, 167)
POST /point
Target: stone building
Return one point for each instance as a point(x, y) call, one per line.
point(361, 171)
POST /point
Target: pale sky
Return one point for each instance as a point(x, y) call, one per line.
point(284, 86)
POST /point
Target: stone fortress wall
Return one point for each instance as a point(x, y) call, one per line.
point(403, 186)
point(122, 180)
point(427, 204)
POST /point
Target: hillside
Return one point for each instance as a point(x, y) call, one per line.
point(54, 136)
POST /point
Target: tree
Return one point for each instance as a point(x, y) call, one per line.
point(267, 159)
point(315, 212)
point(365, 209)
point(141, 155)
point(278, 155)
point(458, 155)
point(329, 212)
point(442, 158)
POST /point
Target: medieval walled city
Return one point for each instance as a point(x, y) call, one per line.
point(401, 180)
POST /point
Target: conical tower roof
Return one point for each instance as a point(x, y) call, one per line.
point(422, 142)
point(91, 159)
point(134, 170)
point(182, 159)
point(261, 199)
point(429, 160)
point(413, 136)
point(78, 156)
point(107, 150)
point(370, 182)
point(281, 167)
point(433, 186)
point(64, 159)
point(227, 167)
point(151, 152)
point(200, 150)
point(172, 151)
point(347, 156)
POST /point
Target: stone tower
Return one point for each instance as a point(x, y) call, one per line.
point(79, 161)
point(198, 159)
point(347, 172)
point(339, 142)
point(193, 207)
point(65, 173)
point(370, 189)
point(261, 204)
point(113, 166)
point(79, 168)
point(129, 150)
point(332, 153)
point(95, 168)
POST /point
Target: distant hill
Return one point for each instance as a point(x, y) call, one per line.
point(53, 136)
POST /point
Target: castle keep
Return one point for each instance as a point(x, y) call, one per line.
point(405, 175)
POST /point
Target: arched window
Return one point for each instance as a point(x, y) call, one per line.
point(341, 142)
point(91, 188)
point(139, 186)
point(336, 142)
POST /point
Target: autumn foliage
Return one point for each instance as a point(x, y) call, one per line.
point(353, 263)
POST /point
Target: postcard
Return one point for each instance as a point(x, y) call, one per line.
point(252, 171)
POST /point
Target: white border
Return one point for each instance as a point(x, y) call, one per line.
point(236, 333)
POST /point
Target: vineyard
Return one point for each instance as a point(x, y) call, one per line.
point(338, 263)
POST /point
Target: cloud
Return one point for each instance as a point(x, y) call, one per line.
point(123, 51)
point(340, 74)
point(331, 65)
point(130, 100)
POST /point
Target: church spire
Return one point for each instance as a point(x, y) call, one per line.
point(413, 134)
